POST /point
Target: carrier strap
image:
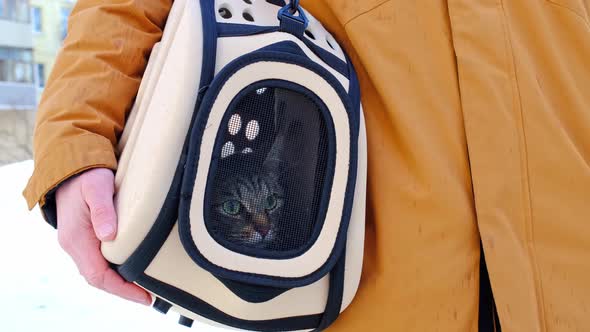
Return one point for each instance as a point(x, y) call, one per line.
point(335, 293)
point(292, 19)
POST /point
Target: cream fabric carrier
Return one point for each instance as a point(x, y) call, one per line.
point(241, 183)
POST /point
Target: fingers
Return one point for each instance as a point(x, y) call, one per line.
point(97, 191)
point(115, 284)
point(84, 206)
point(94, 268)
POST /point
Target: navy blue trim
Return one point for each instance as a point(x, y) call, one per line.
point(238, 30)
point(328, 176)
point(252, 293)
point(280, 3)
point(330, 59)
point(193, 157)
point(293, 19)
point(209, 42)
point(335, 294)
point(143, 255)
point(204, 309)
point(286, 46)
point(354, 91)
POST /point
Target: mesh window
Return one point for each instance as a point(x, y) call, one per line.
point(268, 171)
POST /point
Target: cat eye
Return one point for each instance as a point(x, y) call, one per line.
point(271, 202)
point(232, 207)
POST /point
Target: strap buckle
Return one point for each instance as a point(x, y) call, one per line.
point(293, 19)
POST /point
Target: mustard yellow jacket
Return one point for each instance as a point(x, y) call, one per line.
point(478, 119)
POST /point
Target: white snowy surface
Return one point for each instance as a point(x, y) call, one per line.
point(40, 288)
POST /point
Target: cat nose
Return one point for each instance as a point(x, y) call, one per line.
point(263, 229)
point(261, 225)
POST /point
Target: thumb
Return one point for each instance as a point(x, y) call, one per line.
point(98, 190)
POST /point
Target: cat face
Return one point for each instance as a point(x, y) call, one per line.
point(247, 209)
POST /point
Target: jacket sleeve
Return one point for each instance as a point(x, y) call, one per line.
point(91, 87)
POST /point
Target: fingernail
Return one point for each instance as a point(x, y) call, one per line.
point(145, 300)
point(105, 230)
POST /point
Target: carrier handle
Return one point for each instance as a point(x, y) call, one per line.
point(293, 19)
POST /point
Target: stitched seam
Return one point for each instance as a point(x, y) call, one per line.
point(570, 9)
point(35, 189)
point(365, 12)
point(526, 182)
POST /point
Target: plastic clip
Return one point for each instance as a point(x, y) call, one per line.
point(293, 19)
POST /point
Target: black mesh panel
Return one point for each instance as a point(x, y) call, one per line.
point(268, 172)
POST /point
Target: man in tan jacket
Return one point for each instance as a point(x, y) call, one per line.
point(478, 120)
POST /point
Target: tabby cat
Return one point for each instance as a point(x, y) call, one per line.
point(267, 196)
point(248, 207)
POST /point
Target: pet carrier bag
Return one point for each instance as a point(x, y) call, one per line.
point(240, 190)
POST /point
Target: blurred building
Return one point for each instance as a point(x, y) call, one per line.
point(31, 34)
point(49, 20)
point(17, 80)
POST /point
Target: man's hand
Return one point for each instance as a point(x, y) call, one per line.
point(86, 216)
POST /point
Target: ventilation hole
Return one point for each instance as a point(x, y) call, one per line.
point(235, 124)
point(248, 17)
point(228, 149)
point(225, 12)
point(252, 129)
point(280, 3)
point(309, 34)
point(330, 44)
point(247, 150)
point(248, 1)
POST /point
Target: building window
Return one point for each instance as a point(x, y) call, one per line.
point(22, 10)
point(40, 75)
point(36, 19)
point(65, 13)
point(15, 10)
point(16, 65)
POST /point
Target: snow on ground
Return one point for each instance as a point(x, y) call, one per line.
point(40, 288)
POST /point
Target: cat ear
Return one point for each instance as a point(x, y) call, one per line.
point(275, 153)
point(280, 105)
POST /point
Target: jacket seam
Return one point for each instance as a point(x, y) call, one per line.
point(365, 12)
point(525, 168)
point(38, 185)
point(571, 10)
